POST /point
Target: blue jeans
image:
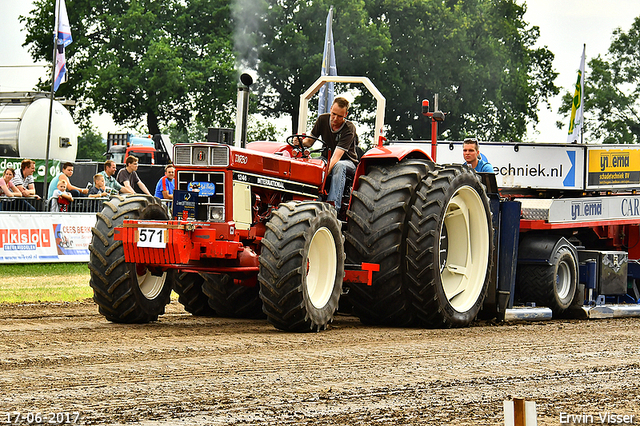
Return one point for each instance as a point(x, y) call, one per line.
point(338, 178)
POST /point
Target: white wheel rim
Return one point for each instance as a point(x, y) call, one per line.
point(321, 267)
point(563, 280)
point(467, 256)
point(150, 285)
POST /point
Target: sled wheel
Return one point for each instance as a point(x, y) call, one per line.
point(552, 285)
point(301, 266)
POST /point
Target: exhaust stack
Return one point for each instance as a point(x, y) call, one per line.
point(243, 110)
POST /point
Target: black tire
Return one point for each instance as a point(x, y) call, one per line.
point(450, 248)
point(188, 286)
point(125, 292)
point(302, 266)
point(376, 233)
point(553, 286)
point(231, 299)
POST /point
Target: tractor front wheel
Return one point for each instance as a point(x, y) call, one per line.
point(188, 286)
point(231, 298)
point(125, 292)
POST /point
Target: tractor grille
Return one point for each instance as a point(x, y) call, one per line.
point(201, 154)
point(210, 208)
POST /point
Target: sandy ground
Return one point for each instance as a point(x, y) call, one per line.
point(186, 370)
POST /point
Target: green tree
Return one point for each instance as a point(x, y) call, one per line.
point(477, 54)
point(612, 91)
point(166, 61)
point(91, 145)
point(292, 38)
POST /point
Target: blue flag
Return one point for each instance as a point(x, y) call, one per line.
point(62, 40)
point(328, 68)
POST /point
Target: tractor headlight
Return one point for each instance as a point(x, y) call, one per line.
point(216, 213)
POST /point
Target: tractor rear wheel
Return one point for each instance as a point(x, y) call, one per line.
point(377, 230)
point(125, 292)
point(449, 248)
point(188, 285)
point(229, 298)
point(301, 266)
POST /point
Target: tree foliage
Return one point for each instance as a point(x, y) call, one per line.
point(174, 60)
point(163, 60)
point(612, 91)
point(90, 145)
point(477, 55)
point(291, 46)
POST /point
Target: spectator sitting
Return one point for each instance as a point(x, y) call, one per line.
point(61, 198)
point(164, 188)
point(24, 181)
point(128, 177)
point(99, 189)
point(67, 172)
point(7, 188)
point(110, 181)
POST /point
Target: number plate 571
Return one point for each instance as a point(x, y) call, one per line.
point(152, 237)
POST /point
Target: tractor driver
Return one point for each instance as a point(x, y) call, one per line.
point(341, 139)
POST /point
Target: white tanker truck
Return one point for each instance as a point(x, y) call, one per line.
point(24, 121)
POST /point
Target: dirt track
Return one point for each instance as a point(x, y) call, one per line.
point(211, 371)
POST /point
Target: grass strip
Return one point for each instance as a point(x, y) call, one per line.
point(44, 282)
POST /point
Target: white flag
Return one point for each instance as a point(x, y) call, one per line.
point(577, 107)
point(328, 67)
point(62, 40)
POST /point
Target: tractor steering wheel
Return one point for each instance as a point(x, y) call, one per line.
point(304, 152)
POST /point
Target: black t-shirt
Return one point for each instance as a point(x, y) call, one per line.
point(124, 175)
point(345, 138)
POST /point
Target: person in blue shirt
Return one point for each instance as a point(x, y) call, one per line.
point(164, 188)
point(471, 154)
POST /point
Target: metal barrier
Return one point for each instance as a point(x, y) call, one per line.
point(32, 204)
point(78, 205)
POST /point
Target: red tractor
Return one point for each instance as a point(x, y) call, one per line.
point(250, 235)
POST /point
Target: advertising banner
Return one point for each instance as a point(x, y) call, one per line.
point(544, 166)
point(624, 207)
point(613, 167)
point(42, 237)
point(13, 162)
point(551, 166)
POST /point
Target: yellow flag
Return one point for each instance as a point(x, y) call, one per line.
point(577, 110)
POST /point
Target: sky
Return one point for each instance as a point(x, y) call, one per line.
point(565, 25)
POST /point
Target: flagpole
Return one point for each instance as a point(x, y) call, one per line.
point(584, 52)
point(53, 78)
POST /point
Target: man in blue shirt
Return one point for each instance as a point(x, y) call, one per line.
point(164, 188)
point(471, 154)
